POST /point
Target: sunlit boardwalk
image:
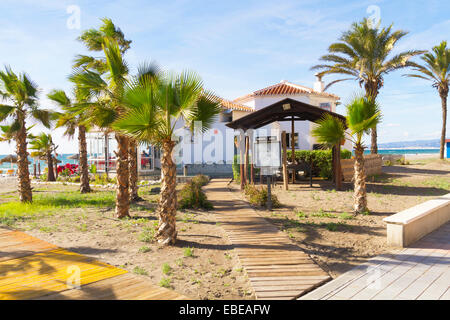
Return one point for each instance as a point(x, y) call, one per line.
point(421, 271)
point(34, 269)
point(277, 268)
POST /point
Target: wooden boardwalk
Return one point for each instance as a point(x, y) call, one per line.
point(34, 269)
point(277, 268)
point(421, 271)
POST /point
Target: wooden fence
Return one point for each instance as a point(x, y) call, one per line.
point(372, 165)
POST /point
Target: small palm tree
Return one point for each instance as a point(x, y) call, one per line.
point(154, 108)
point(44, 147)
point(73, 121)
point(436, 68)
point(362, 115)
point(21, 96)
point(362, 54)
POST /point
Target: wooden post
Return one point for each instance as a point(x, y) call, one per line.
point(246, 159)
point(107, 155)
point(333, 164)
point(293, 147)
point(284, 159)
point(338, 168)
point(241, 164)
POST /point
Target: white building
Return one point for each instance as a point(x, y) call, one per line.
point(213, 152)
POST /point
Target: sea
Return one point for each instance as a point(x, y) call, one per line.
point(64, 157)
point(406, 151)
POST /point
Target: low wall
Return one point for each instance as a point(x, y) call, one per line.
point(372, 166)
point(212, 170)
point(410, 225)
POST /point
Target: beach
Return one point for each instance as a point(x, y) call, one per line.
point(8, 184)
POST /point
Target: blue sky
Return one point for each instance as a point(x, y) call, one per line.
point(236, 46)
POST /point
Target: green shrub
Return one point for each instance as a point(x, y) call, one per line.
point(201, 180)
point(258, 196)
point(93, 169)
point(191, 196)
point(74, 179)
point(237, 168)
point(321, 159)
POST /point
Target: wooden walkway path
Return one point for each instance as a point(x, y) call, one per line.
point(277, 268)
point(421, 271)
point(34, 269)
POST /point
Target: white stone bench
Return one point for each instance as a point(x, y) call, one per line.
point(408, 226)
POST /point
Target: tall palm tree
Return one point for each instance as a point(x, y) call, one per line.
point(154, 109)
point(436, 68)
point(98, 40)
point(44, 147)
point(105, 91)
point(364, 54)
point(21, 96)
point(73, 121)
point(363, 114)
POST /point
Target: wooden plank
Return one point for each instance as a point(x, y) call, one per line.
point(277, 268)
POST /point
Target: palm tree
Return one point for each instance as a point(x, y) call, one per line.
point(154, 109)
point(436, 68)
point(72, 121)
point(363, 54)
point(106, 94)
point(103, 78)
point(21, 96)
point(363, 114)
point(44, 148)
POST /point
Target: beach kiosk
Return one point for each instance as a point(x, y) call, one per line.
point(102, 147)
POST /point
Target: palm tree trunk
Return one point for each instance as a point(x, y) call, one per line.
point(50, 171)
point(373, 141)
point(371, 88)
point(122, 194)
point(443, 95)
point(167, 233)
point(84, 170)
point(23, 174)
point(360, 195)
point(132, 166)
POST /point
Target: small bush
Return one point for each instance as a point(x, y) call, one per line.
point(188, 252)
point(74, 179)
point(165, 283)
point(139, 270)
point(321, 160)
point(191, 196)
point(166, 269)
point(258, 196)
point(201, 180)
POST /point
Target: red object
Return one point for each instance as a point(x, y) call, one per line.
point(73, 168)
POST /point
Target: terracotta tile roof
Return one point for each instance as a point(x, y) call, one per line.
point(227, 104)
point(285, 87)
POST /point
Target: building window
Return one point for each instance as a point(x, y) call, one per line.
point(325, 106)
point(288, 140)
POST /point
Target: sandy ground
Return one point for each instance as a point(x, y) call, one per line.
point(212, 272)
point(319, 219)
point(8, 184)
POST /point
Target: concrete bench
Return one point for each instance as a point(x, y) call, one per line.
point(408, 226)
